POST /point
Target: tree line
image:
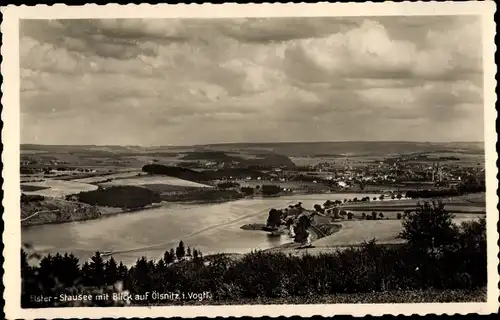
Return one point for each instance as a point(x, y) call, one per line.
point(466, 187)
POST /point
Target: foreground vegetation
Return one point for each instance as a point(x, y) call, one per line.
point(38, 210)
point(438, 257)
point(397, 296)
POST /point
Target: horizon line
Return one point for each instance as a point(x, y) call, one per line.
point(255, 143)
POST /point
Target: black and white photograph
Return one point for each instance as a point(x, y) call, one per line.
point(260, 160)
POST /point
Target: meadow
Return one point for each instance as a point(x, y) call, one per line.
point(384, 231)
point(103, 177)
point(469, 203)
point(58, 188)
point(154, 180)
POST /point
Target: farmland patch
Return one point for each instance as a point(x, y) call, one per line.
point(58, 188)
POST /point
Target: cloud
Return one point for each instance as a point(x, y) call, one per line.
point(199, 81)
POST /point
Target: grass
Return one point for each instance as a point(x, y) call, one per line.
point(461, 204)
point(102, 177)
point(413, 296)
point(355, 232)
point(58, 188)
point(56, 211)
point(154, 180)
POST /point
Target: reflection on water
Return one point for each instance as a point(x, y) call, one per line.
point(212, 228)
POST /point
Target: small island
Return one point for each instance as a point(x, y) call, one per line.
point(298, 223)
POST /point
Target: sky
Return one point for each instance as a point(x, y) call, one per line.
point(200, 81)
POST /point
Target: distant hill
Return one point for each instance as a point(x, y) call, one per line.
point(301, 149)
point(201, 176)
point(262, 160)
point(210, 156)
point(181, 173)
point(271, 151)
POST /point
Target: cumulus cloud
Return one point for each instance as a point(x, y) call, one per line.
point(190, 81)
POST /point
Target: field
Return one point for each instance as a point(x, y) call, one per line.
point(154, 180)
point(119, 175)
point(57, 188)
point(472, 203)
point(284, 184)
point(31, 188)
point(337, 161)
point(354, 233)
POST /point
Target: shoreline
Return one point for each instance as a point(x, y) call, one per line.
point(387, 205)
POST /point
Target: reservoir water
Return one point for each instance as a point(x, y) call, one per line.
point(212, 228)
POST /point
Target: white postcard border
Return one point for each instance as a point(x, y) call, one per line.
point(11, 142)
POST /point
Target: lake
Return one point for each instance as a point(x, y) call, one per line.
point(212, 228)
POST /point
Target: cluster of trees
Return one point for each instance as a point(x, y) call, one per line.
point(178, 172)
point(180, 253)
point(373, 216)
point(28, 170)
point(367, 199)
point(118, 196)
point(329, 203)
point(264, 161)
point(270, 190)
point(55, 274)
point(228, 185)
point(26, 198)
point(437, 255)
point(301, 229)
point(274, 218)
point(393, 196)
point(202, 176)
point(300, 222)
point(469, 186)
point(247, 191)
point(203, 195)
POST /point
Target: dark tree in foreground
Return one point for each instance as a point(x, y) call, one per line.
point(473, 235)
point(169, 257)
point(111, 271)
point(429, 226)
point(172, 255)
point(97, 270)
point(180, 252)
point(122, 272)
